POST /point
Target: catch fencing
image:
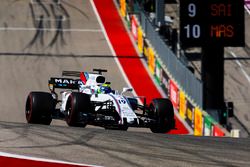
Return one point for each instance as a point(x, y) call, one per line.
point(184, 77)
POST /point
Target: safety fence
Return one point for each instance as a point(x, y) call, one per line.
point(178, 83)
point(184, 77)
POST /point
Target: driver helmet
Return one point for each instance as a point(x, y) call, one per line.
point(104, 88)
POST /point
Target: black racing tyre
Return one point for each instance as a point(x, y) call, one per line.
point(76, 103)
point(39, 108)
point(163, 114)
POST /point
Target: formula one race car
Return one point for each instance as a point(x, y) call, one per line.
point(88, 99)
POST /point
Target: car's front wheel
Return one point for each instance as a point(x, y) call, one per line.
point(163, 114)
point(77, 103)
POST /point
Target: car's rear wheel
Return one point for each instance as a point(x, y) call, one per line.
point(163, 113)
point(39, 108)
point(77, 103)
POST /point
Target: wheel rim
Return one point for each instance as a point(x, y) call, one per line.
point(69, 114)
point(69, 111)
point(28, 111)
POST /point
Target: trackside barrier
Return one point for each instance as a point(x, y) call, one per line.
point(178, 83)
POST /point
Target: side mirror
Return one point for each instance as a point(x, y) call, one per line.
point(124, 90)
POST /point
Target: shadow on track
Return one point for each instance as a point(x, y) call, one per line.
point(66, 55)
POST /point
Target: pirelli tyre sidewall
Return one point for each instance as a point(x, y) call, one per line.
point(76, 103)
point(163, 113)
point(39, 108)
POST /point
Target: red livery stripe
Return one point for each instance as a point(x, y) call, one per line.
point(83, 78)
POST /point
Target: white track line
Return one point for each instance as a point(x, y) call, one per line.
point(3, 154)
point(47, 29)
point(241, 67)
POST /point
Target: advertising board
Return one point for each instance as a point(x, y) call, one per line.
point(165, 82)
point(123, 7)
point(134, 27)
point(174, 94)
point(140, 39)
point(208, 126)
point(151, 60)
point(183, 105)
point(198, 122)
point(145, 50)
point(158, 72)
point(190, 114)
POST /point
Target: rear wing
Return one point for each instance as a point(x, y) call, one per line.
point(64, 83)
point(71, 73)
point(78, 74)
point(70, 83)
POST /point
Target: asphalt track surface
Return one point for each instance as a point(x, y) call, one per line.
point(118, 148)
point(30, 56)
point(237, 79)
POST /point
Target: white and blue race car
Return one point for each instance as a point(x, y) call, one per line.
point(87, 99)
